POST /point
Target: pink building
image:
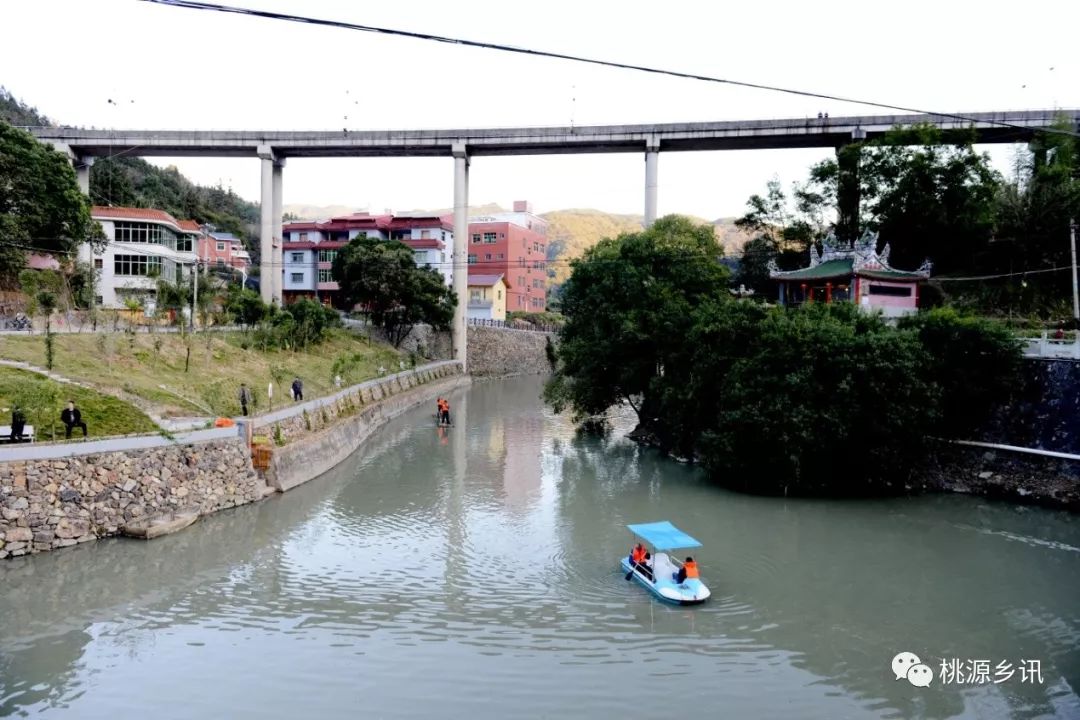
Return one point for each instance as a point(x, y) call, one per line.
point(220, 249)
point(856, 274)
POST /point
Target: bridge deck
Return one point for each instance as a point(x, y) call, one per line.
point(728, 135)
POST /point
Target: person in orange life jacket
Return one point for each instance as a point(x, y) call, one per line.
point(446, 411)
point(688, 570)
point(639, 558)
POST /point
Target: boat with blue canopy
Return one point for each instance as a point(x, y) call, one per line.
point(661, 573)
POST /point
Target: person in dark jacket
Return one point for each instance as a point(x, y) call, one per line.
point(72, 418)
point(297, 390)
point(245, 398)
point(18, 422)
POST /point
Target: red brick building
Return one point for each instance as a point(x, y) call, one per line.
point(514, 245)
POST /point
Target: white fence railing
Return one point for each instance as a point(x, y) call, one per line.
point(1050, 347)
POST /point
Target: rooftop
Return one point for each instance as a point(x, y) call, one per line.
point(484, 280)
point(101, 212)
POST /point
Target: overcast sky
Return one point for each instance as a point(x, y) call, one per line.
point(175, 68)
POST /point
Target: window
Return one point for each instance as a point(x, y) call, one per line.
point(297, 277)
point(425, 234)
point(890, 290)
point(327, 255)
point(498, 294)
point(487, 257)
point(489, 237)
point(326, 275)
point(98, 300)
point(136, 265)
point(97, 264)
point(184, 243)
point(521, 262)
point(420, 257)
point(442, 258)
point(221, 262)
point(500, 256)
point(221, 247)
point(303, 237)
point(135, 232)
point(474, 295)
point(472, 259)
point(297, 257)
point(521, 281)
point(476, 237)
point(536, 246)
point(502, 236)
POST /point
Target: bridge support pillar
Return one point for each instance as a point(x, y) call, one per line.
point(277, 240)
point(270, 260)
point(652, 161)
point(458, 331)
point(82, 174)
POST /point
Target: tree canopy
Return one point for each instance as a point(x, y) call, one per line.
point(41, 206)
point(818, 399)
point(382, 278)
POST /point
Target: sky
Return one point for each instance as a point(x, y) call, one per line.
point(173, 68)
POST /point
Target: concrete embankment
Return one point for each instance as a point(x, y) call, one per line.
point(316, 442)
point(55, 496)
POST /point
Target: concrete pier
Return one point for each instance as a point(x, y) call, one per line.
point(458, 332)
point(652, 160)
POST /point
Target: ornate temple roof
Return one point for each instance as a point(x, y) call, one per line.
point(842, 261)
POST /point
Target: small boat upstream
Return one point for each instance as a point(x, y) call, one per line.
point(663, 575)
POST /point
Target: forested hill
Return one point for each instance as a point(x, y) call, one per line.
point(133, 182)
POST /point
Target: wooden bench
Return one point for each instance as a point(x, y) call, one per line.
point(5, 433)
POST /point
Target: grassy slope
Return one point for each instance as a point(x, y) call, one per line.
point(104, 415)
point(113, 364)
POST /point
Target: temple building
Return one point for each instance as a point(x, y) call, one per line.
point(855, 273)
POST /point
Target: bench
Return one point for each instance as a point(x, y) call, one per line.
point(5, 433)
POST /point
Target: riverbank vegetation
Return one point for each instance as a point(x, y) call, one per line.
point(818, 399)
point(41, 401)
point(199, 374)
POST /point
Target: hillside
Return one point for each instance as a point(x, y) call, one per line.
point(133, 182)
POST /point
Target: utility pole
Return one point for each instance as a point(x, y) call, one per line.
point(1076, 294)
point(195, 293)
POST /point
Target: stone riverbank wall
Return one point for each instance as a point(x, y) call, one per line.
point(492, 351)
point(55, 496)
point(47, 504)
point(320, 437)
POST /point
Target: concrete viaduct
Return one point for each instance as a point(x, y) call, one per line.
point(273, 148)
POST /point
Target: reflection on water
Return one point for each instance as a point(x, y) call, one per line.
point(473, 571)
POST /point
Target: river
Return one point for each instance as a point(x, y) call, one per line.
point(473, 573)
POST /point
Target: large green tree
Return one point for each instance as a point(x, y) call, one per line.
point(41, 207)
point(382, 277)
point(628, 304)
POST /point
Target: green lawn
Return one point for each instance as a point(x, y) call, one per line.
point(103, 415)
point(152, 367)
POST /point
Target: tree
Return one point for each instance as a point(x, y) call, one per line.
point(628, 305)
point(41, 206)
point(382, 277)
point(46, 301)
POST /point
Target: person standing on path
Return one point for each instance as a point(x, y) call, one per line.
point(72, 418)
point(297, 389)
point(245, 398)
point(18, 423)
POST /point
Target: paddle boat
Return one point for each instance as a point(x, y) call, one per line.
point(664, 537)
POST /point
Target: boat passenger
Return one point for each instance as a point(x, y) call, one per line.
point(639, 558)
point(688, 570)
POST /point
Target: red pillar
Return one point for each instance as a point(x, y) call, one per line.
point(806, 298)
point(828, 292)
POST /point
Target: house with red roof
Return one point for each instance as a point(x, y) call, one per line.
point(143, 245)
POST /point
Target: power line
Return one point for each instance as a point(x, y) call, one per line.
point(191, 5)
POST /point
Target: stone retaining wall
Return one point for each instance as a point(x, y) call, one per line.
point(49, 504)
point(498, 352)
point(348, 404)
point(309, 454)
point(1002, 474)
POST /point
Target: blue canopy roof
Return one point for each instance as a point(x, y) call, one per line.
point(664, 536)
